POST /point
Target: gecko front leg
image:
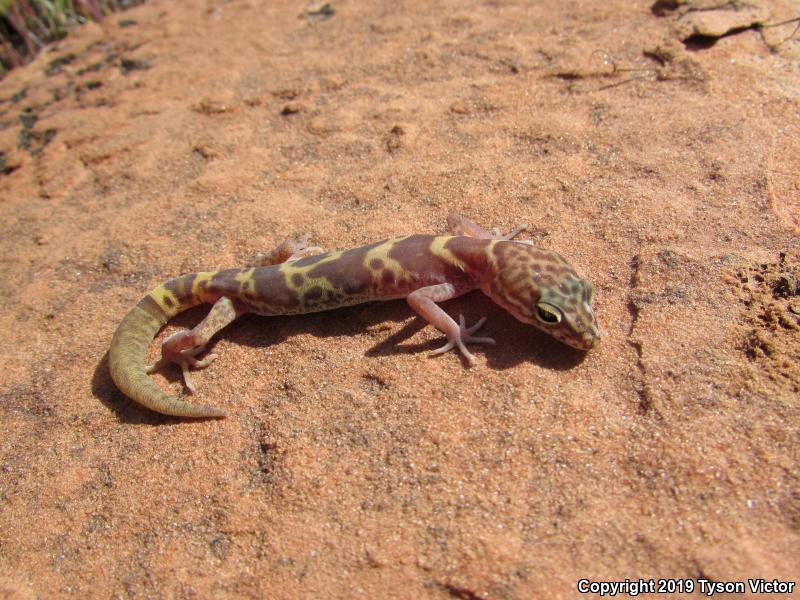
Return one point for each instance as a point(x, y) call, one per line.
point(183, 347)
point(424, 302)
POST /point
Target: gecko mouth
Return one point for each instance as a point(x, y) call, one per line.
point(586, 341)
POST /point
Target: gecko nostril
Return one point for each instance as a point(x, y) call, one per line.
point(591, 340)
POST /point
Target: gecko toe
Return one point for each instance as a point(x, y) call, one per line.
point(480, 340)
point(202, 364)
point(466, 353)
point(156, 366)
point(446, 348)
point(469, 330)
point(187, 378)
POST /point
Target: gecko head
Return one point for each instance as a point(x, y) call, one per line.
point(539, 287)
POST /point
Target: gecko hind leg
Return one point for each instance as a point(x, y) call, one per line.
point(183, 347)
point(459, 225)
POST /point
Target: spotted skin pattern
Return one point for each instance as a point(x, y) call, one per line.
point(536, 286)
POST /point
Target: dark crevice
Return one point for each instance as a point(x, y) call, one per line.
point(460, 592)
point(661, 8)
point(126, 65)
point(633, 307)
point(6, 169)
point(645, 399)
point(701, 41)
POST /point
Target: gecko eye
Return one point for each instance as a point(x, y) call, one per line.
point(589, 293)
point(548, 313)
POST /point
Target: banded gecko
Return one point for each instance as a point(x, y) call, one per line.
point(536, 286)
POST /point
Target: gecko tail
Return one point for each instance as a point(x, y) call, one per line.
point(126, 363)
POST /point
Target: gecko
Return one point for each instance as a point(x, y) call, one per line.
point(538, 287)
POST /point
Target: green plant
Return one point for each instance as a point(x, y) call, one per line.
point(26, 26)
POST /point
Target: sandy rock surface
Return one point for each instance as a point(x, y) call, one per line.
point(190, 135)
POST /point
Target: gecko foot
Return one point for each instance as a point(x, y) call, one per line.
point(464, 336)
point(498, 235)
point(285, 251)
point(512, 234)
point(180, 348)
